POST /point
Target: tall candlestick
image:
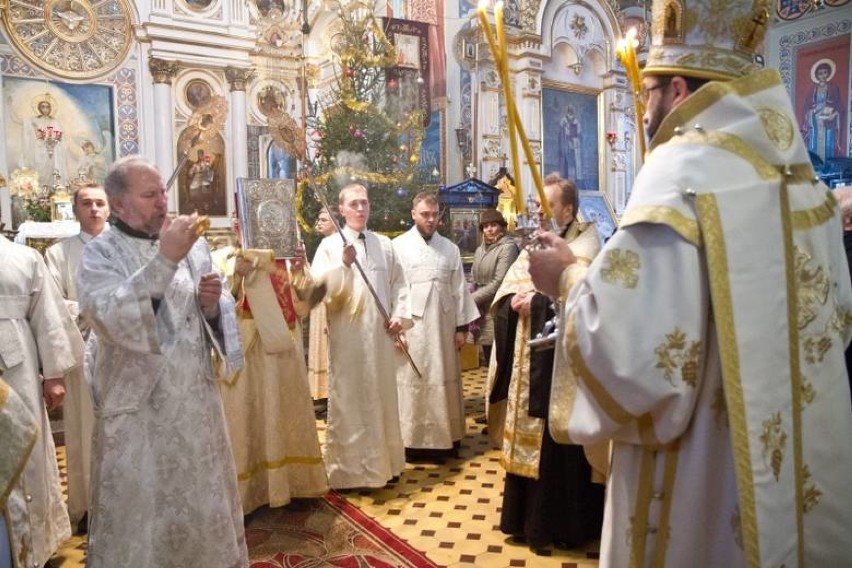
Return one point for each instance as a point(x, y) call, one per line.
point(510, 103)
point(626, 52)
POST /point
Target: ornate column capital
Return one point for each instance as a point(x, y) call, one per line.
point(161, 70)
point(238, 77)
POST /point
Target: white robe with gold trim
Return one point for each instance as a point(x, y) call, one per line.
point(267, 404)
point(707, 341)
point(363, 444)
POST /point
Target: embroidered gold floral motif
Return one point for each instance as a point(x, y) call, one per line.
point(778, 127)
point(811, 495)
point(840, 320)
point(676, 353)
point(774, 438)
point(812, 285)
point(816, 348)
point(808, 392)
point(720, 409)
point(621, 266)
point(737, 528)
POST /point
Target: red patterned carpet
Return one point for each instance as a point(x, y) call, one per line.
point(325, 532)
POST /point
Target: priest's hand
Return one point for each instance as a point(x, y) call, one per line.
point(177, 236)
point(460, 339)
point(297, 263)
point(522, 302)
point(349, 254)
point(548, 263)
point(54, 393)
point(209, 291)
point(243, 266)
point(394, 327)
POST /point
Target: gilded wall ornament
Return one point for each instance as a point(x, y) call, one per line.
point(71, 39)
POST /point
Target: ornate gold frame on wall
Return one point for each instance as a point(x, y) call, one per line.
point(79, 40)
point(601, 120)
point(61, 206)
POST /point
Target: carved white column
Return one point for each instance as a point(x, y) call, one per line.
point(238, 77)
point(162, 73)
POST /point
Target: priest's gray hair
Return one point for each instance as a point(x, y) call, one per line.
point(115, 182)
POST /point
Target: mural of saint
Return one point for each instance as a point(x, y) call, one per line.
point(569, 144)
point(44, 147)
point(823, 111)
point(280, 164)
point(197, 92)
point(271, 8)
point(201, 183)
point(198, 5)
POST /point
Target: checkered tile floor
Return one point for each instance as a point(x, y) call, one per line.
point(450, 511)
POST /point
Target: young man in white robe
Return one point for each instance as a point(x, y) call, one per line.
point(431, 407)
point(707, 338)
point(164, 486)
point(78, 417)
point(37, 339)
point(363, 442)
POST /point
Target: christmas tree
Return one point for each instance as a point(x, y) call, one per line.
point(364, 131)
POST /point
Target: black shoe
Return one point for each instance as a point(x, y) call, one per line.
point(481, 419)
point(83, 524)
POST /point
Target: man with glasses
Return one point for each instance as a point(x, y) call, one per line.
point(707, 340)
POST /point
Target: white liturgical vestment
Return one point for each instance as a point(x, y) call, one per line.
point(78, 416)
point(363, 442)
point(35, 332)
point(164, 486)
point(707, 341)
point(431, 407)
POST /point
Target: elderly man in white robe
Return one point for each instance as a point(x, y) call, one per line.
point(35, 331)
point(164, 487)
point(78, 417)
point(363, 442)
point(431, 407)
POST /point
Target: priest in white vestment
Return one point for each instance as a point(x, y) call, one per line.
point(363, 441)
point(431, 407)
point(164, 486)
point(707, 339)
point(78, 417)
point(35, 332)
point(267, 404)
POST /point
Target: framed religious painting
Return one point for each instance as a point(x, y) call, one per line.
point(594, 207)
point(571, 139)
point(64, 132)
point(464, 231)
point(821, 73)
